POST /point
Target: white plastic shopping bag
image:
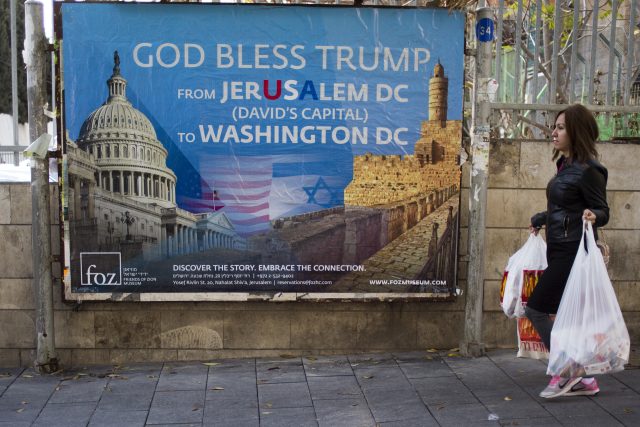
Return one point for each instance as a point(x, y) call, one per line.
point(589, 335)
point(523, 266)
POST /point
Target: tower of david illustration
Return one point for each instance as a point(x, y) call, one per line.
point(399, 218)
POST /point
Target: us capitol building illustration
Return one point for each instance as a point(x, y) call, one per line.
point(121, 194)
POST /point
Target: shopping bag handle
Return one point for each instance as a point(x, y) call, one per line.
point(589, 238)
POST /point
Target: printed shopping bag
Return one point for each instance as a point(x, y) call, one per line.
point(525, 265)
point(529, 342)
point(589, 335)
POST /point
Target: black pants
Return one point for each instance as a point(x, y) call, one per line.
point(543, 324)
point(548, 292)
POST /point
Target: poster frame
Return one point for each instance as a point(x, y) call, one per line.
point(221, 296)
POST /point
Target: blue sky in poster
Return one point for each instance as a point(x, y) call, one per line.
point(333, 108)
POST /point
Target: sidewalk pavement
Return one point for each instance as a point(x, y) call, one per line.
point(388, 389)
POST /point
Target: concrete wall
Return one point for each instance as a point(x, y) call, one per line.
point(126, 331)
point(518, 176)
point(121, 332)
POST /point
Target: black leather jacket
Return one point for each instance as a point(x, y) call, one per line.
point(576, 187)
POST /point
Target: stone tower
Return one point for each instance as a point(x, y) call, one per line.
point(438, 90)
point(439, 138)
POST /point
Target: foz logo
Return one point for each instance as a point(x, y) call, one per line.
point(100, 268)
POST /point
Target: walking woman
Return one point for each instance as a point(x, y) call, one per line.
point(577, 192)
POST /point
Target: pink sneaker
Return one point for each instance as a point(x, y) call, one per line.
point(559, 386)
point(584, 389)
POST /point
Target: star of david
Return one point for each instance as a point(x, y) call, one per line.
point(334, 196)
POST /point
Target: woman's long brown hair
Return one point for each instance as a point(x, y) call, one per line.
point(583, 132)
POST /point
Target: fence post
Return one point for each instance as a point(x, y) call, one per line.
point(35, 47)
point(14, 80)
point(472, 344)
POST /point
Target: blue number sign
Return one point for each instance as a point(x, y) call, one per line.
point(484, 30)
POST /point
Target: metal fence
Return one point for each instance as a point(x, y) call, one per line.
point(12, 157)
point(549, 54)
point(441, 267)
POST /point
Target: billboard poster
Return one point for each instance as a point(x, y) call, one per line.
point(246, 149)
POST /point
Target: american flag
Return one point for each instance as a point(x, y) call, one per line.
point(242, 184)
point(253, 190)
point(205, 200)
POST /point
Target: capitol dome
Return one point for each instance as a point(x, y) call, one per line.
point(130, 159)
point(117, 115)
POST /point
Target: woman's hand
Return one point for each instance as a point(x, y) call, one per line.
point(533, 230)
point(587, 215)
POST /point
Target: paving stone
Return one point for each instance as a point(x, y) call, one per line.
point(231, 380)
point(630, 378)
point(468, 366)
point(279, 417)
point(425, 368)
point(118, 418)
point(569, 405)
point(336, 393)
point(84, 389)
point(135, 378)
point(443, 391)
point(388, 377)
point(139, 400)
point(630, 419)
point(183, 377)
point(222, 391)
point(500, 384)
point(427, 421)
point(617, 403)
point(284, 395)
point(65, 414)
point(186, 406)
point(590, 421)
point(515, 366)
point(338, 359)
point(334, 387)
point(32, 389)
point(280, 372)
point(99, 371)
point(253, 422)
point(530, 422)
point(228, 370)
point(514, 406)
point(142, 368)
point(235, 411)
point(343, 412)
point(612, 382)
point(20, 409)
point(459, 415)
point(328, 370)
point(371, 359)
point(137, 384)
point(8, 376)
point(396, 405)
point(474, 374)
point(233, 364)
point(411, 356)
point(238, 381)
point(325, 366)
point(178, 425)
